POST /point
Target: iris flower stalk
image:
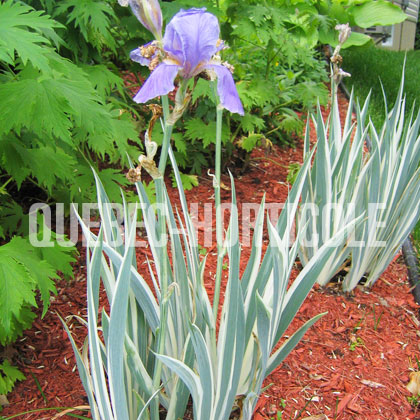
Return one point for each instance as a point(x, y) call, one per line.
point(189, 48)
point(219, 221)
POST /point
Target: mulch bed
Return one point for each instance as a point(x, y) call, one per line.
point(353, 364)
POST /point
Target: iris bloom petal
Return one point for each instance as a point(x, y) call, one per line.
point(191, 36)
point(160, 82)
point(226, 89)
point(191, 40)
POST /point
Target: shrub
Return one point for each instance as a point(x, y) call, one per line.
point(25, 273)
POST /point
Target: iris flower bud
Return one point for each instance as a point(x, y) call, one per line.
point(149, 14)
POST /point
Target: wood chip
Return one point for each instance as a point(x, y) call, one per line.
point(372, 384)
point(383, 301)
point(343, 403)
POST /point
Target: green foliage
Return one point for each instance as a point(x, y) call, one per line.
point(47, 103)
point(202, 90)
point(15, 38)
point(250, 142)
point(24, 271)
point(364, 14)
point(197, 129)
point(416, 237)
point(150, 191)
point(277, 76)
point(292, 172)
point(414, 400)
point(202, 251)
point(380, 13)
point(87, 27)
point(53, 110)
point(356, 342)
point(376, 318)
point(194, 146)
point(312, 22)
point(13, 220)
point(92, 18)
point(8, 376)
point(188, 181)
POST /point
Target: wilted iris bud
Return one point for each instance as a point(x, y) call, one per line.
point(344, 34)
point(149, 14)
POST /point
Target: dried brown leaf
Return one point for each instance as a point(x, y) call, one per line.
point(414, 384)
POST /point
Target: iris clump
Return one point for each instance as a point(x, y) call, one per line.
point(190, 47)
point(166, 343)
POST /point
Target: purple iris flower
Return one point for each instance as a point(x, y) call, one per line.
point(190, 44)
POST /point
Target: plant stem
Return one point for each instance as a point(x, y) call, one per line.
point(182, 99)
point(163, 276)
point(267, 66)
point(270, 60)
point(166, 136)
point(3, 187)
point(181, 102)
point(38, 385)
point(165, 107)
point(59, 409)
point(219, 222)
point(233, 137)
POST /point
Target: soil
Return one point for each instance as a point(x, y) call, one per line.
point(352, 364)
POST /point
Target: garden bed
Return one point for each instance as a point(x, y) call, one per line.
point(353, 364)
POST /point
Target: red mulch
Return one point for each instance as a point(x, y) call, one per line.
point(353, 364)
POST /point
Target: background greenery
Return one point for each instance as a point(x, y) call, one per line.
point(371, 68)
